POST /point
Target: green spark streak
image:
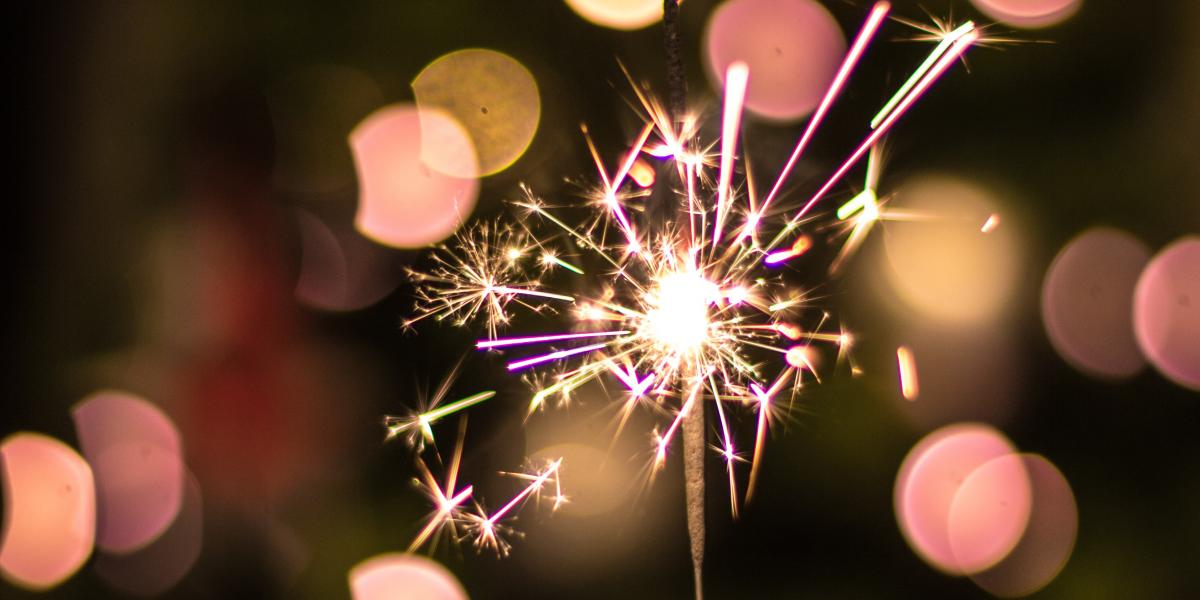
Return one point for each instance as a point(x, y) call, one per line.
point(933, 57)
point(453, 407)
point(564, 264)
point(856, 203)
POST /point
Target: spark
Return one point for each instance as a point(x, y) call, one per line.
point(422, 422)
point(944, 43)
point(450, 514)
point(539, 339)
point(908, 373)
point(446, 500)
point(488, 528)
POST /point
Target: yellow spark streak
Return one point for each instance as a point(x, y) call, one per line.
point(432, 416)
point(908, 373)
point(760, 436)
point(736, 78)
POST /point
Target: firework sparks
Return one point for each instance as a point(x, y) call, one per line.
point(489, 529)
point(908, 373)
point(452, 518)
point(681, 313)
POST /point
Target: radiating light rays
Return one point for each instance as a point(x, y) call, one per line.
point(956, 51)
point(682, 313)
point(422, 422)
point(489, 530)
point(484, 274)
point(454, 518)
point(945, 43)
point(865, 34)
point(447, 500)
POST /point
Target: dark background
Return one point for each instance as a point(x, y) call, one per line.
point(135, 117)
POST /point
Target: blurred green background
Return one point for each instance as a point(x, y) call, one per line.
point(140, 120)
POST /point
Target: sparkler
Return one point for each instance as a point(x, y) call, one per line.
point(681, 312)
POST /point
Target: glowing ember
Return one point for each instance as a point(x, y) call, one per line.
point(680, 317)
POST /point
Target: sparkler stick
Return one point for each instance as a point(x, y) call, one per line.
point(660, 455)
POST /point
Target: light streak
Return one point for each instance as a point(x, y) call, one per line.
point(549, 259)
point(449, 514)
point(800, 246)
point(538, 339)
point(865, 35)
point(487, 528)
point(521, 364)
point(736, 78)
point(908, 373)
point(942, 46)
point(957, 49)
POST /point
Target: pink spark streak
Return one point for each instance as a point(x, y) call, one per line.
point(517, 341)
point(536, 484)
point(513, 366)
point(959, 48)
point(736, 79)
point(865, 34)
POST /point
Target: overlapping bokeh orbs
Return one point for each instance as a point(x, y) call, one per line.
point(926, 488)
point(405, 202)
point(969, 504)
point(136, 456)
point(1048, 537)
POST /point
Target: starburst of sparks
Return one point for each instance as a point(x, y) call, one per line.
point(458, 514)
point(679, 313)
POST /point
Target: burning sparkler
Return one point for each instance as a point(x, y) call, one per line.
point(681, 313)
